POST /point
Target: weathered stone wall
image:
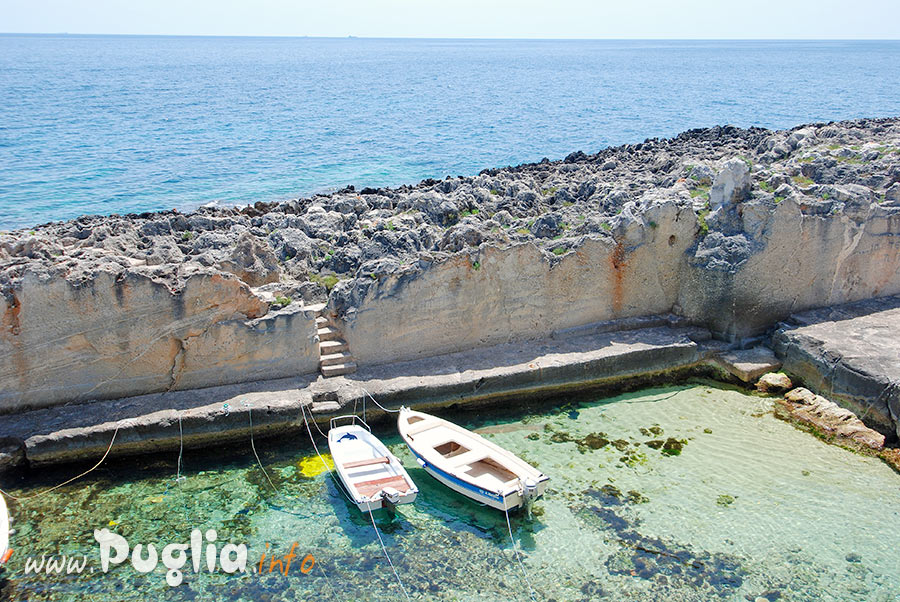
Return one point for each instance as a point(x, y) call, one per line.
point(518, 292)
point(121, 333)
point(795, 261)
point(798, 261)
point(732, 229)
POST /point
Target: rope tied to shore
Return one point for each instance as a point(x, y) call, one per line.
point(375, 401)
point(73, 479)
point(249, 407)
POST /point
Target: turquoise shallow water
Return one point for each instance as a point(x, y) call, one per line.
point(118, 124)
point(750, 507)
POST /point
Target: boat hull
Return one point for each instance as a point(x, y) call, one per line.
point(372, 477)
point(4, 531)
point(456, 443)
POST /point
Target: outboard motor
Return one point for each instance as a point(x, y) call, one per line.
point(389, 499)
point(529, 494)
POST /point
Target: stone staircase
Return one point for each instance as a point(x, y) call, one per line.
point(334, 354)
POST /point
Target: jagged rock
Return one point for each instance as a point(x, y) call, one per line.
point(892, 194)
point(724, 253)
point(459, 237)
point(774, 382)
point(253, 261)
point(546, 226)
point(731, 185)
point(702, 174)
point(291, 243)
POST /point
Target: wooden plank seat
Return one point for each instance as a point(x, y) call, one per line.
point(426, 425)
point(369, 462)
point(369, 488)
point(470, 457)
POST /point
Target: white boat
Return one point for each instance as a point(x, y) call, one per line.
point(470, 464)
point(5, 552)
point(372, 475)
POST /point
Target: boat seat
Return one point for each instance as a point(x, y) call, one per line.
point(369, 462)
point(426, 425)
point(470, 457)
point(370, 488)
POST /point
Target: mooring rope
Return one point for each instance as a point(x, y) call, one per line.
point(180, 450)
point(249, 407)
point(375, 402)
point(315, 424)
point(178, 478)
point(63, 484)
point(518, 557)
point(384, 549)
point(325, 465)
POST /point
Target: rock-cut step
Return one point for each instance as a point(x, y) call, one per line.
point(334, 353)
point(333, 359)
point(328, 333)
point(338, 369)
point(332, 347)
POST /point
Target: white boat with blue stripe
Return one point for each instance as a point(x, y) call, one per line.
point(470, 464)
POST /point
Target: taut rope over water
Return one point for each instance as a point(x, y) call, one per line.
point(249, 407)
point(75, 478)
point(518, 557)
point(384, 549)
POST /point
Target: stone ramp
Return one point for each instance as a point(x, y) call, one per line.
point(218, 415)
point(851, 355)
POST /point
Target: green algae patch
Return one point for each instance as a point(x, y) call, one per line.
point(673, 447)
point(592, 441)
point(725, 500)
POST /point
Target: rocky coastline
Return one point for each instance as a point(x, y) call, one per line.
point(723, 230)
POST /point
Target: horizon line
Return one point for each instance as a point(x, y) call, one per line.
point(355, 37)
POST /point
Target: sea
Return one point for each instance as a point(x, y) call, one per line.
point(120, 124)
point(690, 492)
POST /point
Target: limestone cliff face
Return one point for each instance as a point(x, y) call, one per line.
point(116, 332)
point(733, 229)
point(518, 292)
point(798, 260)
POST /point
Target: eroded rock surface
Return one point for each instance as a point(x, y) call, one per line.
point(850, 353)
point(830, 419)
point(734, 229)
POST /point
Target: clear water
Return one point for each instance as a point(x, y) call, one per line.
point(751, 508)
point(116, 124)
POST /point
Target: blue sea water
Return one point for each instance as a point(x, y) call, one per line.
point(116, 124)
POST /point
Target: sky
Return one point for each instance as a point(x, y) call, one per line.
point(683, 19)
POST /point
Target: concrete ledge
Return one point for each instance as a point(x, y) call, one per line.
point(749, 364)
point(851, 355)
point(219, 415)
